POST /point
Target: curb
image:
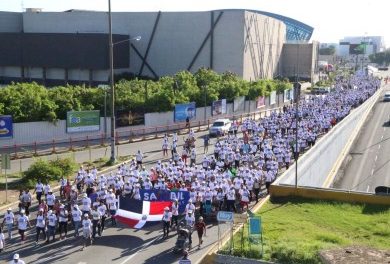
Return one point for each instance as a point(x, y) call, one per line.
point(226, 235)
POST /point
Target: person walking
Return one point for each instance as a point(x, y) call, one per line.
point(87, 226)
point(96, 220)
point(206, 140)
point(23, 222)
point(76, 218)
point(51, 226)
point(9, 221)
point(190, 221)
point(63, 221)
point(40, 226)
point(167, 217)
point(185, 259)
point(16, 260)
point(2, 240)
point(201, 230)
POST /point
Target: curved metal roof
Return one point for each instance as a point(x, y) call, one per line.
point(296, 30)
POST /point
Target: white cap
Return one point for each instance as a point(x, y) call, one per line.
point(9, 209)
point(85, 215)
point(85, 195)
point(16, 256)
point(22, 211)
point(50, 212)
point(62, 206)
point(166, 208)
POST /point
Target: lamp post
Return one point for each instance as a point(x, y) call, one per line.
point(112, 84)
point(296, 90)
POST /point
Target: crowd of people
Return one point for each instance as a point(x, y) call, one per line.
point(228, 178)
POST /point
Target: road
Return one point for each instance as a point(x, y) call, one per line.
point(368, 163)
point(119, 245)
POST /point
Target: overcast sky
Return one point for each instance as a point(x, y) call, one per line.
point(331, 19)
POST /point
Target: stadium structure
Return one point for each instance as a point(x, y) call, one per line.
point(72, 47)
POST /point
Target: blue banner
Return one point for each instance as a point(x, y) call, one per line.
point(165, 195)
point(255, 226)
point(6, 127)
point(182, 111)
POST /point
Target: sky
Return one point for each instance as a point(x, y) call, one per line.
point(332, 19)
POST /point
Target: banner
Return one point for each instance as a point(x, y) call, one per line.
point(182, 111)
point(166, 195)
point(260, 102)
point(82, 121)
point(239, 104)
point(272, 98)
point(292, 94)
point(128, 118)
point(6, 126)
point(218, 107)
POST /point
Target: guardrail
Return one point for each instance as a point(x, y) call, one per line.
point(74, 143)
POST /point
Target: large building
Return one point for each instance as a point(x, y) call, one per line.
point(360, 45)
point(72, 46)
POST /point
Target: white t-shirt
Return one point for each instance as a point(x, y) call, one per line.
point(86, 204)
point(190, 220)
point(76, 215)
point(87, 224)
point(52, 219)
point(22, 222)
point(2, 240)
point(50, 198)
point(40, 221)
point(167, 216)
point(39, 187)
point(9, 218)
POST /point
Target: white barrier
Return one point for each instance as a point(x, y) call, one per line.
point(316, 167)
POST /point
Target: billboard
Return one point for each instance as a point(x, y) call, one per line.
point(82, 121)
point(260, 102)
point(6, 126)
point(356, 49)
point(272, 98)
point(239, 104)
point(129, 118)
point(182, 111)
point(218, 107)
point(292, 94)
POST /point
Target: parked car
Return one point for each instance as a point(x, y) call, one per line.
point(220, 127)
point(386, 97)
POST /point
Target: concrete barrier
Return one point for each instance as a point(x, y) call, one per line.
point(316, 166)
point(328, 194)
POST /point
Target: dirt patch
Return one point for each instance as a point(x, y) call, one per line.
point(355, 255)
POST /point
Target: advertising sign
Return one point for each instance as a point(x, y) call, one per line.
point(272, 98)
point(5, 161)
point(182, 111)
point(260, 102)
point(292, 94)
point(254, 226)
point(82, 121)
point(6, 126)
point(165, 195)
point(219, 107)
point(224, 216)
point(239, 104)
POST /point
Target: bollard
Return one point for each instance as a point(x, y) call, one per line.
point(15, 152)
point(70, 144)
point(54, 146)
point(35, 149)
point(102, 140)
point(208, 123)
point(87, 142)
point(143, 134)
point(155, 136)
point(199, 126)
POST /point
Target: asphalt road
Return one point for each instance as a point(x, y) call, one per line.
point(368, 163)
point(119, 245)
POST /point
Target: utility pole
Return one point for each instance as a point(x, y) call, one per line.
point(111, 58)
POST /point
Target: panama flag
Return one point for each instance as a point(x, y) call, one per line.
point(137, 213)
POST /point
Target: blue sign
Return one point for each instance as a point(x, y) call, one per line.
point(224, 216)
point(254, 226)
point(182, 111)
point(165, 195)
point(6, 127)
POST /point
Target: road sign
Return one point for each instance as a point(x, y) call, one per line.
point(5, 161)
point(255, 226)
point(240, 218)
point(224, 216)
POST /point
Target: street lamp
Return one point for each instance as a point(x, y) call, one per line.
point(112, 85)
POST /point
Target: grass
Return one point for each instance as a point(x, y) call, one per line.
point(295, 230)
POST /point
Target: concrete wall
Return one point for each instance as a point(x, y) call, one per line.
point(10, 22)
point(264, 38)
point(242, 42)
point(316, 164)
point(306, 67)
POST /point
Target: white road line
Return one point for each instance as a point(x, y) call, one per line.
point(140, 249)
point(381, 137)
point(368, 188)
point(372, 171)
point(379, 146)
point(376, 157)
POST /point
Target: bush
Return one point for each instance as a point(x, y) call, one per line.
point(48, 171)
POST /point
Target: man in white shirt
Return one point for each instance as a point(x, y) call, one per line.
point(112, 206)
point(16, 260)
point(40, 226)
point(51, 226)
point(166, 219)
point(50, 199)
point(63, 221)
point(9, 220)
point(76, 217)
point(85, 204)
point(23, 222)
point(102, 208)
point(190, 222)
point(87, 228)
point(39, 190)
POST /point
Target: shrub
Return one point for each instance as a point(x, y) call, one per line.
point(48, 171)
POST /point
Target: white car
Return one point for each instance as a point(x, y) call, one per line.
point(220, 127)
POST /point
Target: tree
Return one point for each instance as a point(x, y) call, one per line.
point(331, 50)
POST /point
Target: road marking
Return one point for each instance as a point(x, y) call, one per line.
point(379, 146)
point(376, 157)
point(381, 137)
point(140, 249)
point(368, 188)
point(372, 171)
